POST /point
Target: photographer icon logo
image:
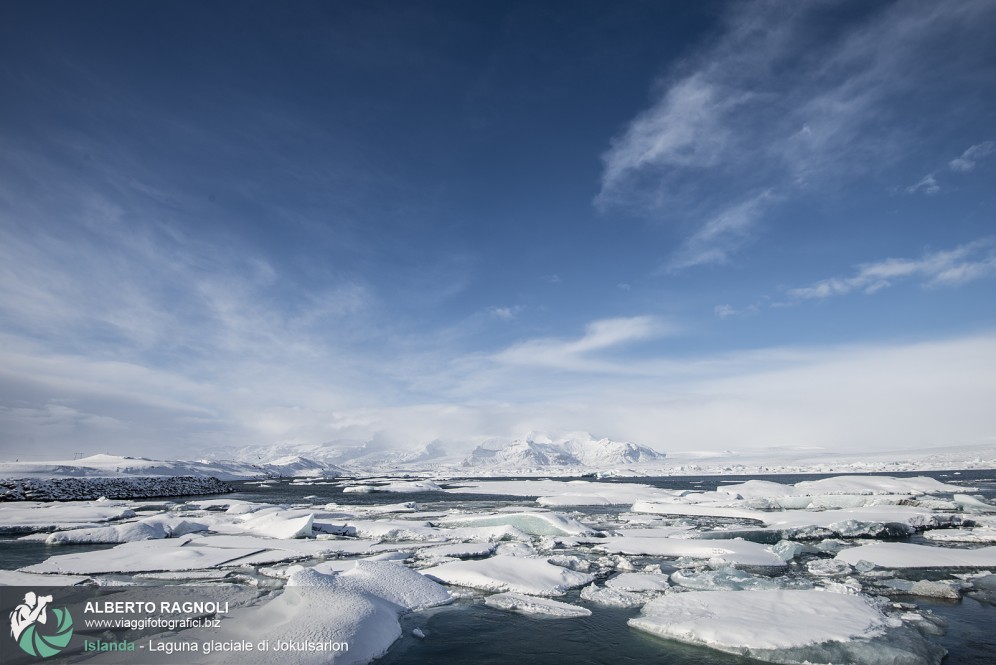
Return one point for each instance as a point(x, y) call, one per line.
point(31, 627)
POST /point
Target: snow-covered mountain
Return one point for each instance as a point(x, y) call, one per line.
point(575, 450)
point(110, 466)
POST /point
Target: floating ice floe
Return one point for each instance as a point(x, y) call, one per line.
point(533, 523)
point(21, 578)
point(194, 553)
point(638, 582)
point(976, 535)
point(519, 602)
point(359, 607)
point(30, 516)
point(613, 597)
point(150, 528)
point(731, 579)
point(536, 577)
point(280, 523)
point(400, 487)
point(787, 626)
point(721, 552)
point(908, 555)
point(458, 550)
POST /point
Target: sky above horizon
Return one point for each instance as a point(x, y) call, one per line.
point(696, 226)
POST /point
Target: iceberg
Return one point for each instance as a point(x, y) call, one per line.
point(536, 577)
point(908, 555)
point(519, 602)
point(720, 552)
point(787, 626)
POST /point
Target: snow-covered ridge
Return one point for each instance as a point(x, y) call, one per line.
point(575, 450)
point(117, 466)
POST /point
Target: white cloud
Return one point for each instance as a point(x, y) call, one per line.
point(722, 234)
point(505, 313)
point(965, 263)
point(972, 156)
point(785, 100)
point(927, 184)
point(581, 354)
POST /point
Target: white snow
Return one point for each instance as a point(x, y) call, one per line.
point(280, 523)
point(26, 516)
point(787, 626)
point(719, 552)
point(534, 523)
point(508, 573)
point(638, 582)
point(519, 602)
point(908, 555)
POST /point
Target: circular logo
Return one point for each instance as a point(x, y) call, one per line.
point(41, 630)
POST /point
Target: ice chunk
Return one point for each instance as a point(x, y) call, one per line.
point(926, 588)
point(389, 580)
point(533, 523)
point(971, 503)
point(533, 605)
point(727, 578)
point(613, 597)
point(719, 551)
point(30, 516)
point(20, 578)
point(507, 573)
point(458, 550)
point(792, 626)
point(907, 555)
point(638, 582)
point(280, 523)
point(976, 535)
point(152, 528)
point(828, 567)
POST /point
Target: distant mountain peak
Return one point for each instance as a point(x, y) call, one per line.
point(577, 449)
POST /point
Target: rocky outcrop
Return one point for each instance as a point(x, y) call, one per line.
point(84, 489)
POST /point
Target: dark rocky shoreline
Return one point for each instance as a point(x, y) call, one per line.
point(88, 489)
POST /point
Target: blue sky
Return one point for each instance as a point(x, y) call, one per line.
point(720, 226)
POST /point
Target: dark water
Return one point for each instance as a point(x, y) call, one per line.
point(470, 632)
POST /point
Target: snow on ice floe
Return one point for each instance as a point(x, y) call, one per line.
point(638, 582)
point(194, 553)
point(359, 607)
point(974, 535)
point(848, 522)
point(150, 528)
point(21, 578)
point(280, 523)
point(29, 516)
point(787, 626)
point(535, 577)
point(731, 579)
point(908, 555)
point(525, 604)
point(720, 552)
point(534, 523)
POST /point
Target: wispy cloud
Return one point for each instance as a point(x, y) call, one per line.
point(505, 313)
point(927, 184)
point(581, 354)
point(972, 156)
point(786, 101)
point(965, 263)
point(963, 164)
point(723, 234)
